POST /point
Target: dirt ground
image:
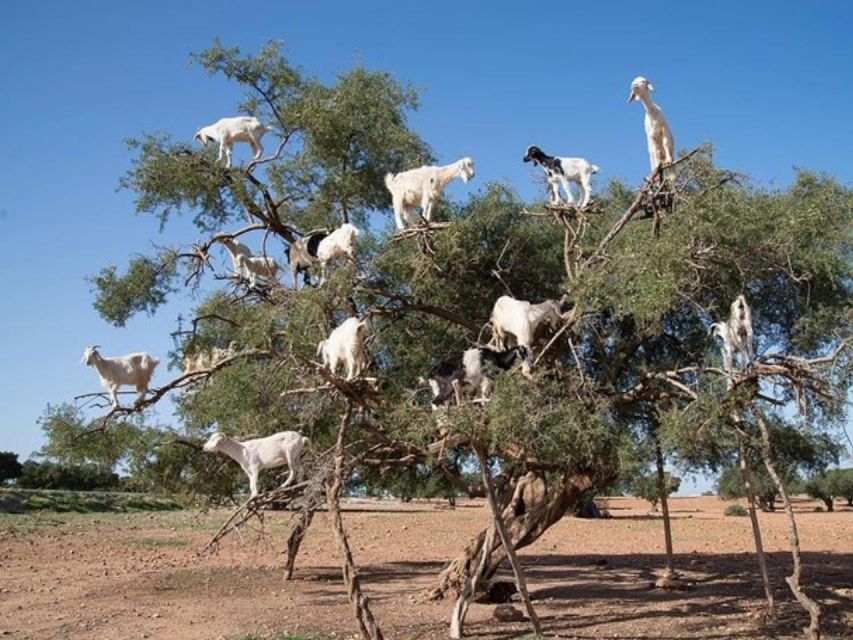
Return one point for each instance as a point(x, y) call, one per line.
point(117, 576)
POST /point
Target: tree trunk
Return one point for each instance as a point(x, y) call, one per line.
point(294, 540)
point(367, 624)
point(756, 528)
point(813, 630)
point(664, 506)
point(463, 601)
point(506, 543)
point(533, 507)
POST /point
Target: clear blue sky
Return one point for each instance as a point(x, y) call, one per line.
point(770, 83)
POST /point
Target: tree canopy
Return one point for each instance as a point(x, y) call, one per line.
point(638, 293)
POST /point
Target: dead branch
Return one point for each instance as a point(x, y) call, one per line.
point(635, 206)
point(423, 229)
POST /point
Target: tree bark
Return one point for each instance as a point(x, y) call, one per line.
point(463, 601)
point(367, 624)
point(664, 506)
point(813, 630)
point(294, 540)
point(753, 517)
point(507, 544)
point(532, 508)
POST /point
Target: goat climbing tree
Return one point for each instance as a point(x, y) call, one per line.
point(638, 289)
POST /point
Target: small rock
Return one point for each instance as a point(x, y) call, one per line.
point(507, 613)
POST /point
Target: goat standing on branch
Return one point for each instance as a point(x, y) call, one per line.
point(736, 334)
point(203, 360)
point(302, 255)
point(261, 266)
point(345, 343)
point(658, 134)
point(562, 171)
point(520, 319)
point(134, 369)
point(227, 131)
point(277, 450)
point(235, 248)
point(423, 186)
point(470, 380)
point(341, 242)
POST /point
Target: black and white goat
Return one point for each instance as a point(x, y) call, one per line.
point(564, 171)
point(467, 379)
point(302, 255)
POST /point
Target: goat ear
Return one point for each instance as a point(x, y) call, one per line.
point(651, 87)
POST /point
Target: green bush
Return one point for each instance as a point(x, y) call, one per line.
point(735, 510)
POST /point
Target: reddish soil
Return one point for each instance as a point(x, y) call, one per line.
point(135, 576)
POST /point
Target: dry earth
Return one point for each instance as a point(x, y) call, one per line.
point(115, 577)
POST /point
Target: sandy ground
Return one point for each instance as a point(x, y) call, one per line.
point(120, 576)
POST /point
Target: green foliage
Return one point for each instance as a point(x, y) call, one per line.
point(10, 468)
point(735, 510)
point(646, 486)
point(146, 285)
point(593, 404)
point(51, 475)
point(830, 486)
point(100, 501)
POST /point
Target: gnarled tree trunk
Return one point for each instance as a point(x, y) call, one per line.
point(532, 508)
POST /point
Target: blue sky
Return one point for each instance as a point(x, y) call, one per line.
point(768, 83)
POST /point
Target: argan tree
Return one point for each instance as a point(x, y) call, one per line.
point(639, 278)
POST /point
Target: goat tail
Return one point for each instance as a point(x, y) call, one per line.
point(594, 168)
point(389, 179)
point(305, 441)
point(320, 346)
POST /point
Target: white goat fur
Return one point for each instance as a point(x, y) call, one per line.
point(260, 266)
point(422, 187)
point(736, 334)
point(134, 369)
point(721, 330)
point(277, 450)
point(658, 134)
point(235, 248)
point(341, 242)
point(520, 319)
point(345, 343)
point(740, 325)
point(202, 360)
point(227, 131)
point(575, 170)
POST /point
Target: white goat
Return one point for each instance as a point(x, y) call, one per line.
point(520, 319)
point(449, 379)
point(204, 359)
point(260, 266)
point(740, 325)
point(423, 186)
point(227, 131)
point(563, 171)
point(658, 134)
point(721, 330)
point(235, 248)
point(341, 242)
point(277, 450)
point(345, 343)
point(134, 369)
point(736, 334)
